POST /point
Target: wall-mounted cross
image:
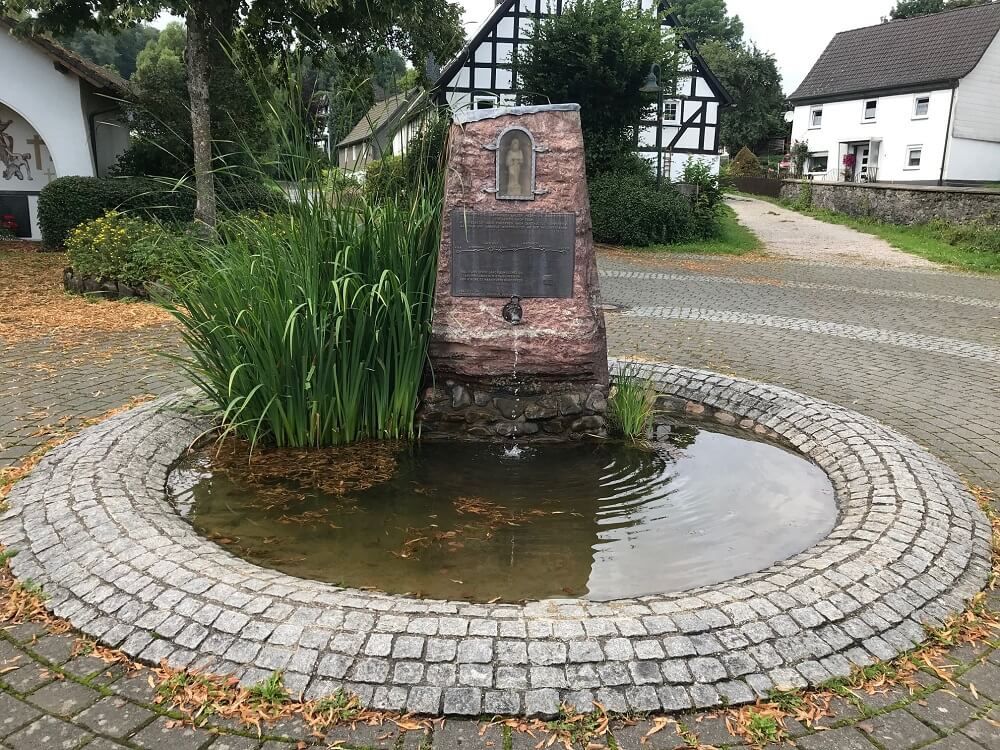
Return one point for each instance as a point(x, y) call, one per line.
point(37, 142)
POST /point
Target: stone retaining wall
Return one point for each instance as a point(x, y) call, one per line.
point(901, 204)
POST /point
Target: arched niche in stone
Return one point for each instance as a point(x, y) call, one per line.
point(515, 164)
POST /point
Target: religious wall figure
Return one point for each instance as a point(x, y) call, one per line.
point(515, 162)
point(14, 164)
point(515, 172)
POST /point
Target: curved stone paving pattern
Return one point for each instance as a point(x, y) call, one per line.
point(935, 344)
point(910, 547)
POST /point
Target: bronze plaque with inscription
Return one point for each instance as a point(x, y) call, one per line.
point(498, 254)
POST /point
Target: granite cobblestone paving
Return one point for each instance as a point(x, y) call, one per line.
point(739, 641)
point(90, 522)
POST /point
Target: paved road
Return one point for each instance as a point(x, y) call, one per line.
point(789, 234)
point(48, 386)
point(917, 348)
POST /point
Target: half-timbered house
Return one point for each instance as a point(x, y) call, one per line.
point(484, 75)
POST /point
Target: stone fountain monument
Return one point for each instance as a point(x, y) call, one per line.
point(518, 347)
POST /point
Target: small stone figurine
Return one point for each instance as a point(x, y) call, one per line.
point(514, 163)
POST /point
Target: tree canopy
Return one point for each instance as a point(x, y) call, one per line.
point(708, 21)
point(158, 109)
point(911, 8)
point(118, 50)
point(749, 74)
point(597, 54)
point(354, 28)
point(751, 77)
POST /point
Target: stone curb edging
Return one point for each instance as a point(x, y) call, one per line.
point(910, 547)
point(104, 288)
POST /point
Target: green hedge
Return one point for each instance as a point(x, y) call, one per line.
point(67, 202)
point(628, 209)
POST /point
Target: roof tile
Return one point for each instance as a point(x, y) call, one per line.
point(900, 54)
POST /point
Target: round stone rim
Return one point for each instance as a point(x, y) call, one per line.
point(91, 525)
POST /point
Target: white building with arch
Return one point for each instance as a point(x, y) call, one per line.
point(59, 115)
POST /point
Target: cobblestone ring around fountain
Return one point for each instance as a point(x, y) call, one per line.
point(910, 547)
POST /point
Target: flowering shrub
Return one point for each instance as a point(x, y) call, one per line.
point(124, 249)
point(8, 227)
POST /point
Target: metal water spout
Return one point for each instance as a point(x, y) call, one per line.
point(512, 311)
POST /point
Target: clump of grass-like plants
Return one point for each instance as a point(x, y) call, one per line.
point(309, 327)
point(632, 402)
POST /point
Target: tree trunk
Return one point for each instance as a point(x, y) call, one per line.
point(198, 54)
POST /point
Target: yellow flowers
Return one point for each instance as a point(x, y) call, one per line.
point(103, 248)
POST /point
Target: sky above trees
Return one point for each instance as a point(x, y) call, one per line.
point(796, 31)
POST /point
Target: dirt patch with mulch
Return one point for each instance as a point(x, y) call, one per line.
point(33, 303)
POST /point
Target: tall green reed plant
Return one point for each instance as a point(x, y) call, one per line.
point(309, 327)
point(632, 403)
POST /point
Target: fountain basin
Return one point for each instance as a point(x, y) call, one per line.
point(484, 522)
point(93, 526)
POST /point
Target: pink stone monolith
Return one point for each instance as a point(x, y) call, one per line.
point(518, 347)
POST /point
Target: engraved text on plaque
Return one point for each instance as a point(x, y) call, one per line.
point(505, 254)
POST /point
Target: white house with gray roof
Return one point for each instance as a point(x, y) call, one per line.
point(914, 100)
point(385, 130)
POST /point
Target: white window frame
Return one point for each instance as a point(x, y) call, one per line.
point(676, 119)
point(909, 150)
point(864, 111)
point(819, 153)
point(493, 99)
point(812, 117)
point(916, 100)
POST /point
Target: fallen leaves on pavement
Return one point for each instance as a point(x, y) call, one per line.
point(33, 303)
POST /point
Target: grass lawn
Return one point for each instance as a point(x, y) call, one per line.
point(930, 241)
point(733, 239)
point(923, 240)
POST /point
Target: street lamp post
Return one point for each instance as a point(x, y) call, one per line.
point(653, 85)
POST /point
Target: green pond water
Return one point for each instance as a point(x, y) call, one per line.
point(483, 523)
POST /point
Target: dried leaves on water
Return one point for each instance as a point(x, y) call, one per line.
point(486, 519)
point(33, 303)
point(338, 471)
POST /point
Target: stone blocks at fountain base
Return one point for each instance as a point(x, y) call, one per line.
point(518, 346)
point(553, 412)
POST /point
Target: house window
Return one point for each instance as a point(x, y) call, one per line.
point(921, 106)
point(671, 112)
point(871, 108)
point(913, 156)
point(485, 102)
point(816, 117)
point(819, 162)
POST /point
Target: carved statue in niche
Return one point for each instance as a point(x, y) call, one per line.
point(516, 165)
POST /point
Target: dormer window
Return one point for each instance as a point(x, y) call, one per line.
point(921, 106)
point(816, 117)
point(870, 110)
